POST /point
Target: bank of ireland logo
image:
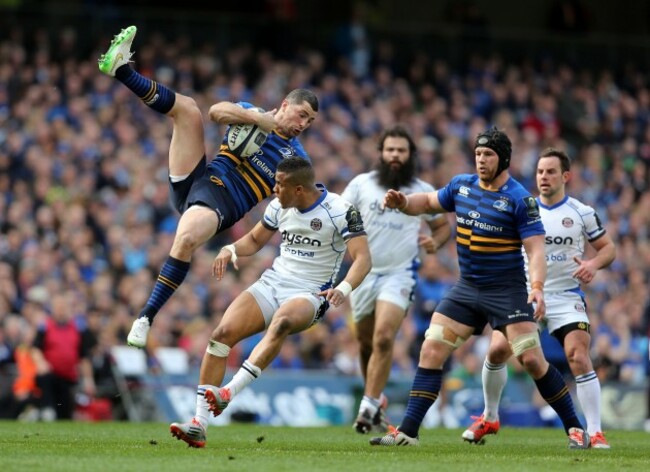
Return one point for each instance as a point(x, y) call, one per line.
point(567, 222)
point(316, 224)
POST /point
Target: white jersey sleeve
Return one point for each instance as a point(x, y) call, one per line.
point(313, 240)
point(569, 225)
point(392, 235)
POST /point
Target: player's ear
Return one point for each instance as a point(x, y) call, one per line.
point(567, 176)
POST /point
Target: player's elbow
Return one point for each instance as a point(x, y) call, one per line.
point(611, 254)
point(217, 113)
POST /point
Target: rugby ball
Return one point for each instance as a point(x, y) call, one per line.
point(245, 140)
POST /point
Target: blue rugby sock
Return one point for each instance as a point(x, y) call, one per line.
point(424, 392)
point(154, 95)
point(170, 278)
point(556, 393)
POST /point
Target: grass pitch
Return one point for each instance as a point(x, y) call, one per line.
point(67, 446)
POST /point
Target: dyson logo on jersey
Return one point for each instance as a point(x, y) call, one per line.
point(567, 241)
point(292, 238)
point(381, 209)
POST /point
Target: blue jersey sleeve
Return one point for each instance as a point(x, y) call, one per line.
point(528, 219)
point(447, 194)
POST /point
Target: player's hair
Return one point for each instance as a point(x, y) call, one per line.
point(299, 171)
point(565, 161)
point(397, 131)
point(297, 96)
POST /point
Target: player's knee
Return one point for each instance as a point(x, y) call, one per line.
point(433, 354)
point(525, 342)
point(224, 335)
point(534, 364)
point(281, 326)
point(443, 334)
point(217, 349)
point(383, 342)
point(527, 348)
point(186, 241)
point(579, 361)
point(499, 352)
point(187, 106)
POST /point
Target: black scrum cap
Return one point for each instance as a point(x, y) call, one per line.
point(499, 142)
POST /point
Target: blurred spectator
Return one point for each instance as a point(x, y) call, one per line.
point(26, 393)
point(646, 326)
point(352, 43)
point(62, 356)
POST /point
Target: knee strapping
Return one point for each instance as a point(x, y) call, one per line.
point(217, 349)
point(525, 342)
point(438, 332)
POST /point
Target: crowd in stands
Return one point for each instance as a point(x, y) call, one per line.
point(84, 206)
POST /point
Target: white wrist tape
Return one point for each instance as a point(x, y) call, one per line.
point(231, 249)
point(344, 287)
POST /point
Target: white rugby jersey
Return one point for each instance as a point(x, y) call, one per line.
point(568, 224)
point(392, 235)
point(314, 239)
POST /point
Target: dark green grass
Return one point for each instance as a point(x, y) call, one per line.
point(125, 447)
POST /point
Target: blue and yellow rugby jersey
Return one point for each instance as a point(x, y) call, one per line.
point(490, 227)
point(250, 180)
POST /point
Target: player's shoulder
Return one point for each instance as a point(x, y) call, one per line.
point(334, 201)
point(515, 188)
point(274, 205)
point(578, 206)
point(363, 179)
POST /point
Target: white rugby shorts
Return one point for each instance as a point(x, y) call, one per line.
point(395, 288)
point(563, 308)
point(273, 289)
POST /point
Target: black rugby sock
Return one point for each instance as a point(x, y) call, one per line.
point(154, 95)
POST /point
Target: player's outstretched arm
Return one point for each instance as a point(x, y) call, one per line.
point(414, 204)
point(247, 245)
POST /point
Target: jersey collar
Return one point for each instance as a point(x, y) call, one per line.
point(323, 190)
point(561, 202)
